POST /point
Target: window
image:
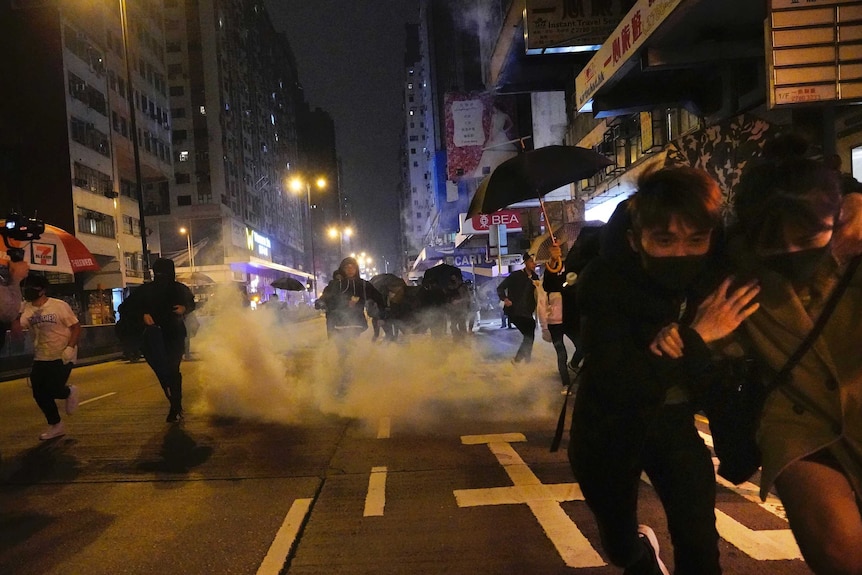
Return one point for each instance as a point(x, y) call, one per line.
point(184, 200)
point(178, 112)
point(183, 178)
point(95, 223)
point(184, 156)
point(131, 226)
point(177, 91)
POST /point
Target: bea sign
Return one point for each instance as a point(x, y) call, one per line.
point(509, 218)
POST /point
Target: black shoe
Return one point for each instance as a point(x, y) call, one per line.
point(174, 416)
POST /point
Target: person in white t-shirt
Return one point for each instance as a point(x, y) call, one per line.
point(56, 330)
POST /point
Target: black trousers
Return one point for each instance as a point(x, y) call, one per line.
point(164, 356)
point(48, 379)
point(557, 331)
point(680, 468)
point(527, 327)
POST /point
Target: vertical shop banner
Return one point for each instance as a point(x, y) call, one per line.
point(480, 133)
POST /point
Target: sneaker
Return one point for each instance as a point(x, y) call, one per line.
point(647, 535)
point(72, 400)
point(56, 430)
point(174, 416)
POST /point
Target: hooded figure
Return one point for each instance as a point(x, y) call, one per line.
point(345, 298)
point(160, 306)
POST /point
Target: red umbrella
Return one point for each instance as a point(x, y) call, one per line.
point(56, 250)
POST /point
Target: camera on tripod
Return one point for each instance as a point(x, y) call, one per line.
point(22, 229)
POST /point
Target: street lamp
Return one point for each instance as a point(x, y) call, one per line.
point(136, 152)
point(340, 233)
point(296, 184)
point(188, 233)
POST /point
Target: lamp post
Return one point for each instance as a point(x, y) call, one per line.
point(136, 152)
point(188, 233)
point(296, 184)
point(340, 233)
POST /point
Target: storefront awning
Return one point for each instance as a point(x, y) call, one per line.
point(261, 267)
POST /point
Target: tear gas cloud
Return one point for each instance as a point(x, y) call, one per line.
point(254, 365)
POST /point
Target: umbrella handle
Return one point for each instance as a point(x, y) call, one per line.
point(547, 221)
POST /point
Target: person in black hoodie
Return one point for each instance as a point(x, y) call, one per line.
point(518, 294)
point(160, 306)
point(634, 410)
point(345, 298)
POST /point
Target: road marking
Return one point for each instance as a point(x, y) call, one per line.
point(762, 544)
point(384, 427)
point(375, 499)
point(276, 556)
point(86, 401)
point(543, 500)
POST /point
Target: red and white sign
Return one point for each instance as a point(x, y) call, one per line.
point(481, 223)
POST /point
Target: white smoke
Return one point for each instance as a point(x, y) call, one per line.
point(254, 366)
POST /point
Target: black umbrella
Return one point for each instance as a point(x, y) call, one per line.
point(288, 283)
point(387, 282)
point(441, 275)
point(533, 174)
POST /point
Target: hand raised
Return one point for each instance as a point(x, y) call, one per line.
point(724, 310)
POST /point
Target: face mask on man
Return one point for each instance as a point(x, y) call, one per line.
point(31, 293)
point(798, 266)
point(674, 273)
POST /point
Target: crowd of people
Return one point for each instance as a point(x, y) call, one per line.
point(674, 291)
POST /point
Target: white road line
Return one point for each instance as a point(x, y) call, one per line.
point(375, 500)
point(86, 401)
point(384, 427)
point(284, 539)
point(543, 500)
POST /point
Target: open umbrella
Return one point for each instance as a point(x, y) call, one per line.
point(195, 279)
point(441, 275)
point(56, 250)
point(533, 174)
point(387, 282)
point(288, 283)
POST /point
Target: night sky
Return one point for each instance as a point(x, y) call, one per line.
point(350, 56)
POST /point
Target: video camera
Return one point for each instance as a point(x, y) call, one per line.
point(22, 229)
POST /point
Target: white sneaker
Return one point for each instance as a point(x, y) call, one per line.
point(56, 430)
point(72, 400)
point(647, 534)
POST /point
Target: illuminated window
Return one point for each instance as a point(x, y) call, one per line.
point(184, 156)
point(203, 110)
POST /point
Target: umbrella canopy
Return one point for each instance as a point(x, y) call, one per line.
point(195, 279)
point(56, 250)
point(441, 276)
point(288, 283)
point(533, 174)
point(387, 282)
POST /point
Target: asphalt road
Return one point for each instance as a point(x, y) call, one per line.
point(425, 457)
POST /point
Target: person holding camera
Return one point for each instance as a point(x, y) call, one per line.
point(56, 331)
point(10, 296)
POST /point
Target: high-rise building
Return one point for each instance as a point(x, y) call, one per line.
point(230, 215)
point(66, 148)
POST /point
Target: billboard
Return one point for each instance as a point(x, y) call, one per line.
point(481, 133)
point(559, 26)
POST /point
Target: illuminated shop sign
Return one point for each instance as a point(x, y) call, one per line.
point(258, 243)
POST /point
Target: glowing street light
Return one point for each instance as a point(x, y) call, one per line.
point(296, 184)
point(188, 233)
point(340, 233)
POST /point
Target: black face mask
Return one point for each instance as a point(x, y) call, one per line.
point(798, 267)
point(674, 273)
point(31, 294)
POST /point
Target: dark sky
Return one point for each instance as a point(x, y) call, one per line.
point(350, 56)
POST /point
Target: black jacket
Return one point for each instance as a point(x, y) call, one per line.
point(158, 299)
point(623, 384)
point(338, 295)
point(521, 291)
